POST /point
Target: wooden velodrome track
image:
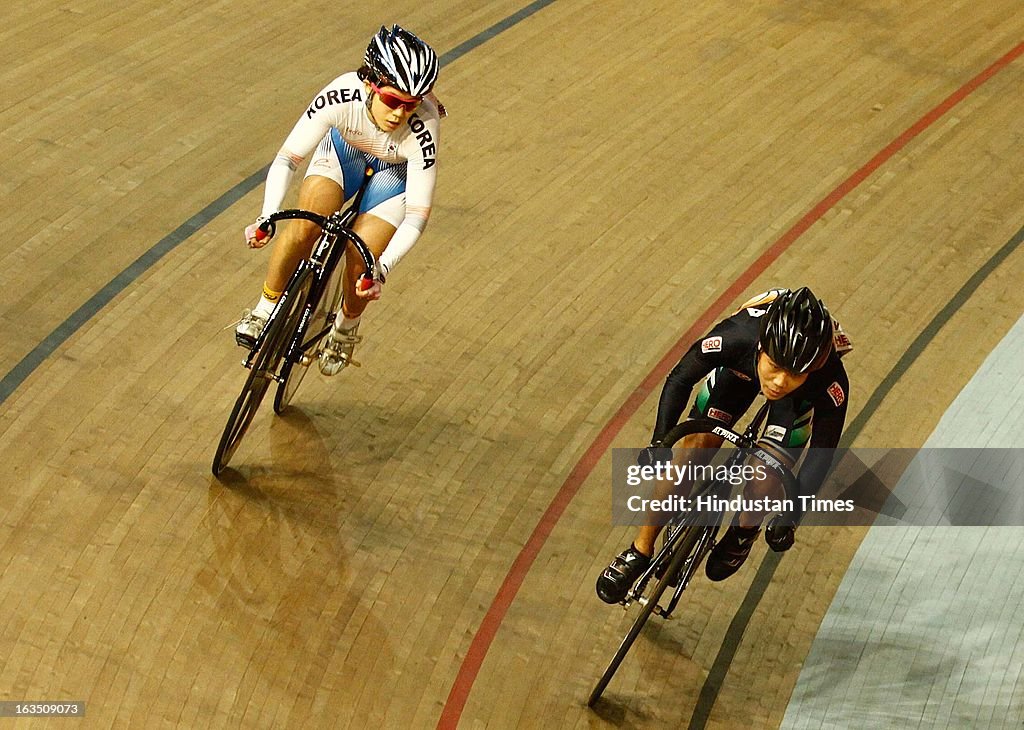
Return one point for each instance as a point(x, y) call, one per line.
point(609, 185)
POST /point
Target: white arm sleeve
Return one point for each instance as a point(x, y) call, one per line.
point(419, 192)
point(278, 179)
point(303, 139)
point(403, 240)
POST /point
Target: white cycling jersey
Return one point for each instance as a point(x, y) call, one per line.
point(342, 104)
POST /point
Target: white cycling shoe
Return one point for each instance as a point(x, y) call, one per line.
point(336, 354)
point(249, 328)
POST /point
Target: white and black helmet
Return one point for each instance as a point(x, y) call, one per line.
point(796, 332)
point(401, 59)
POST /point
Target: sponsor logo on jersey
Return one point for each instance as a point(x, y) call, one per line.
point(333, 96)
point(835, 392)
point(776, 433)
point(719, 415)
point(419, 128)
point(711, 344)
point(840, 340)
point(740, 375)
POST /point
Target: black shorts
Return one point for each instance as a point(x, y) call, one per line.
point(726, 396)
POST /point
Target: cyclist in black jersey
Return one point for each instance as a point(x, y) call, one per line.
point(785, 345)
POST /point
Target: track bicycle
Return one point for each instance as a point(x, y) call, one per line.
point(291, 339)
point(690, 535)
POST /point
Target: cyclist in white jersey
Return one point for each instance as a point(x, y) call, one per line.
point(383, 116)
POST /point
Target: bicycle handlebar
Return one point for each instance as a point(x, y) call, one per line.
point(333, 223)
point(741, 441)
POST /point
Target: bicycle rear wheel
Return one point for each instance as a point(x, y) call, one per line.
point(262, 371)
point(682, 552)
point(297, 363)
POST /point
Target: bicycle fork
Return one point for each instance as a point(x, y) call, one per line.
point(686, 571)
point(663, 564)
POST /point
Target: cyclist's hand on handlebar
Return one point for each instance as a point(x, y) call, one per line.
point(368, 288)
point(780, 537)
point(255, 236)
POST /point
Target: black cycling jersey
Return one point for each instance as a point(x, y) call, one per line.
point(732, 344)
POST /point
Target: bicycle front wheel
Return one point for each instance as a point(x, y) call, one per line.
point(682, 552)
point(263, 370)
point(298, 361)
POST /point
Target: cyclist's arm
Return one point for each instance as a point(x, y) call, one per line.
point(278, 179)
point(676, 394)
point(307, 133)
point(421, 174)
point(825, 434)
point(698, 361)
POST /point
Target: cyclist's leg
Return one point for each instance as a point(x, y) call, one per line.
point(786, 429)
point(376, 233)
point(381, 212)
point(334, 168)
point(322, 192)
point(724, 397)
point(320, 195)
point(701, 448)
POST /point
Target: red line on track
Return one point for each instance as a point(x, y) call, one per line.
point(492, 620)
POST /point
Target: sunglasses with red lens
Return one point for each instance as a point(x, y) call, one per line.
point(394, 102)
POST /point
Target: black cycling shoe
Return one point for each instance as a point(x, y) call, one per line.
point(730, 552)
point(615, 581)
point(779, 537)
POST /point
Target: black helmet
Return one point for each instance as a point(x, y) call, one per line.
point(796, 332)
point(403, 60)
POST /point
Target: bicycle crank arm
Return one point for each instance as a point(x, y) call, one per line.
point(657, 610)
point(268, 376)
